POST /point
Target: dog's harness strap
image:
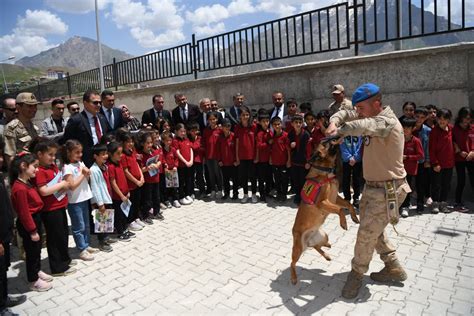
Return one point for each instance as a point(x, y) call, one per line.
point(311, 188)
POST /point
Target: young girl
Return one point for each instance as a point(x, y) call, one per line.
point(185, 165)
point(442, 160)
point(135, 179)
point(120, 192)
point(245, 153)
point(155, 135)
point(198, 154)
point(211, 135)
point(53, 213)
point(408, 110)
point(226, 158)
point(170, 163)
point(151, 166)
point(463, 138)
point(27, 204)
point(79, 195)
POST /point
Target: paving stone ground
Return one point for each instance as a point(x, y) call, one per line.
point(232, 258)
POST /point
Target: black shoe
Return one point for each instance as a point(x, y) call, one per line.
point(7, 312)
point(148, 221)
point(124, 237)
point(159, 216)
point(263, 198)
point(110, 240)
point(225, 196)
point(15, 300)
point(130, 234)
point(420, 209)
point(235, 196)
point(105, 247)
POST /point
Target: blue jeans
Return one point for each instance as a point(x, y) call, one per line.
point(79, 214)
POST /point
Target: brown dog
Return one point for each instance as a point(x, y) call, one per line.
point(307, 230)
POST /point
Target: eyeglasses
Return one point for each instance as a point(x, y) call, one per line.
point(74, 109)
point(96, 102)
point(10, 109)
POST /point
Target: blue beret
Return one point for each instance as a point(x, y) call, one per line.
point(364, 92)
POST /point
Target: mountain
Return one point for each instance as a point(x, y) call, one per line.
point(77, 52)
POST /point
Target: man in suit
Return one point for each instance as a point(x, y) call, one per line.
point(88, 126)
point(234, 112)
point(205, 105)
point(150, 116)
point(184, 113)
point(112, 114)
point(279, 108)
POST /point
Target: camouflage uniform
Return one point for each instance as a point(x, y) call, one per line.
point(18, 136)
point(346, 104)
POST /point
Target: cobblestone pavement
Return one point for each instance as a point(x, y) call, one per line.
point(215, 258)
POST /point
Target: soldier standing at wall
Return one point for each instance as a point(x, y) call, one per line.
point(386, 186)
point(340, 100)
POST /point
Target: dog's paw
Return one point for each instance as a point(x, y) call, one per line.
point(344, 225)
point(355, 219)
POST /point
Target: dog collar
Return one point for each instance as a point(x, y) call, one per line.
point(325, 169)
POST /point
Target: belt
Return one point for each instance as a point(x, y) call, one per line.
point(381, 184)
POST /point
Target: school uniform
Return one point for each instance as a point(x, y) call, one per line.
point(299, 157)
point(27, 203)
point(129, 161)
point(54, 219)
point(117, 174)
point(151, 188)
point(185, 173)
point(413, 152)
point(423, 177)
point(279, 158)
point(101, 190)
point(170, 159)
point(264, 170)
point(246, 152)
point(441, 154)
point(209, 143)
point(226, 156)
point(198, 153)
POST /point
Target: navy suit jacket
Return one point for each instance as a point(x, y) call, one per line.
point(193, 115)
point(149, 116)
point(118, 119)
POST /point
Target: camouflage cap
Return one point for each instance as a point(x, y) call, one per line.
point(26, 98)
point(338, 88)
point(365, 92)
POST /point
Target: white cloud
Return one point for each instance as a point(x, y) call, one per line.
point(76, 6)
point(211, 29)
point(28, 38)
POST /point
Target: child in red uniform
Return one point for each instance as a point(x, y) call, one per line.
point(198, 154)
point(262, 158)
point(412, 153)
point(170, 163)
point(53, 213)
point(442, 160)
point(226, 158)
point(322, 122)
point(209, 143)
point(185, 165)
point(27, 203)
point(292, 111)
point(150, 164)
point(120, 192)
point(135, 179)
point(280, 158)
point(245, 153)
point(310, 122)
point(299, 139)
point(463, 138)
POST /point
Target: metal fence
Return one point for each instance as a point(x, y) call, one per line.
point(338, 27)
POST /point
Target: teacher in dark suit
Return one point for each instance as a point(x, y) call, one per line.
point(234, 111)
point(184, 113)
point(112, 114)
point(88, 126)
point(150, 116)
point(205, 105)
point(279, 108)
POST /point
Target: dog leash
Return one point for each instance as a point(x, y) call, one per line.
point(415, 241)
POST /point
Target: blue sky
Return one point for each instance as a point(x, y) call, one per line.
point(28, 27)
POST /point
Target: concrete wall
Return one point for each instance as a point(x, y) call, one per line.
point(443, 76)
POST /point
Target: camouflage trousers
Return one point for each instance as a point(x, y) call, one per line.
point(371, 234)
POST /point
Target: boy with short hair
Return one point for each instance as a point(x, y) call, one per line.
point(299, 139)
point(262, 158)
point(280, 158)
point(351, 154)
point(412, 153)
point(423, 176)
point(226, 159)
point(292, 106)
point(310, 122)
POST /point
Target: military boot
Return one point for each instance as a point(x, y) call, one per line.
point(392, 272)
point(353, 284)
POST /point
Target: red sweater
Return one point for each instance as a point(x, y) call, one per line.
point(226, 149)
point(26, 201)
point(263, 147)
point(464, 138)
point(170, 158)
point(279, 149)
point(246, 137)
point(130, 162)
point(413, 152)
point(116, 173)
point(184, 147)
point(43, 176)
point(209, 142)
point(159, 157)
point(441, 147)
point(198, 151)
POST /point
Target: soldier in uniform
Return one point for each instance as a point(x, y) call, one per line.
point(385, 186)
point(21, 131)
point(340, 100)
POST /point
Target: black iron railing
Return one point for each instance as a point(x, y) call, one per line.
point(338, 27)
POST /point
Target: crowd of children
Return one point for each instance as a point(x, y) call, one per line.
point(140, 174)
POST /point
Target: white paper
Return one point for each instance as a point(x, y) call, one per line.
point(125, 206)
point(59, 195)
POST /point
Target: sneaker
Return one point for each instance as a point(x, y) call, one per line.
point(435, 208)
point(420, 209)
point(184, 202)
point(163, 206)
point(92, 250)
point(45, 277)
point(193, 197)
point(443, 207)
point(130, 234)
point(105, 247)
point(124, 237)
point(73, 263)
point(40, 286)
point(213, 195)
point(86, 256)
point(219, 195)
point(168, 204)
point(8, 312)
point(244, 199)
point(65, 273)
point(159, 216)
point(176, 204)
point(148, 221)
point(404, 212)
point(111, 240)
point(190, 198)
point(225, 196)
point(140, 222)
point(254, 198)
point(135, 227)
point(460, 208)
point(429, 201)
point(13, 301)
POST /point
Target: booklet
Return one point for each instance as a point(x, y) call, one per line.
point(103, 222)
point(150, 161)
point(125, 206)
point(59, 195)
point(172, 179)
